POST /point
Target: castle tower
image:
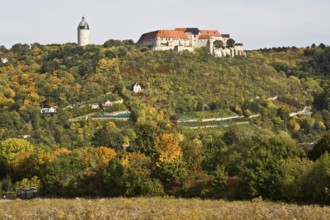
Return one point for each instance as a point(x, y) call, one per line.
point(83, 33)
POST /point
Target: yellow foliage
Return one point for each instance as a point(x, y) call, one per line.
point(61, 150)
point(105, 154)
point(169, 147)
point(294, 125)
point(9, 93)
point(26, 102)
point(132, 157)
point(270, 104)
point(44, 159)
point(33, 96)
point(111, 125)
point(322, 125)
point(19, 160)
point(125, 140)
point(106, 65)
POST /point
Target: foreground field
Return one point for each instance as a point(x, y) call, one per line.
point(155, 208)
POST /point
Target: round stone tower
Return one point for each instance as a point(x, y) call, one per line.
point(83, 33)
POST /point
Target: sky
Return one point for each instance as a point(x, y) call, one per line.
point(256, 23)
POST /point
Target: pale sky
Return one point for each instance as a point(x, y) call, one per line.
point(256, 23)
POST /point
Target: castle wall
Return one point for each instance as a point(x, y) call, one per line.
point(83, 37)
point(232, 52)
point(172, 42)
point(203, 43)
point(190, 49)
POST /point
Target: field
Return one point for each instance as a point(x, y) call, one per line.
point(156, 208)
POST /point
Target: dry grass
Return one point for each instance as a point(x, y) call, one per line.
point(155, 208)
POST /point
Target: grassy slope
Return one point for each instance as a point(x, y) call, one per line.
point(156, 208)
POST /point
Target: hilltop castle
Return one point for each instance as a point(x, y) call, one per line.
point(180, 39)
point(219, 45)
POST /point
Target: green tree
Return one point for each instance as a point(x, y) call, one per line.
point(146, 139)
point(107, 136)
point(218, 44)
point(321, 147)
point(113, 178)
point(24, 183)
point(64, 175)
point(262, 171)
point(230, 43)
point(294, 182)
point(316, 181)
point(193, 154)
point(7, 184)
point(137, 178)
point(231, 136)
point(262, 176)
point(219, 182)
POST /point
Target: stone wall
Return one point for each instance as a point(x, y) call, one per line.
point(232, 52)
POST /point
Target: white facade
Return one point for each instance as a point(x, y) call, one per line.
point(95, 106)
point(83, 33)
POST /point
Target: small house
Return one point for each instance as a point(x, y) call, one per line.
point(107, 104)
point(136, 88)
point(4, 60)
point(28, 193)
point(50, 110)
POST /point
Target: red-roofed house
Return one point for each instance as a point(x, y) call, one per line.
point(164, 39)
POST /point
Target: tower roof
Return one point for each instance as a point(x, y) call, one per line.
point(83, 24)
point(194, 31)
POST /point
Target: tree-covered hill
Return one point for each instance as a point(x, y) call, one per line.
point(263, 142)
point(67, 74)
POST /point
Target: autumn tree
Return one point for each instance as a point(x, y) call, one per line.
point(171, 167)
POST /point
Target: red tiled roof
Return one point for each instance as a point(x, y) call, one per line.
point(172, 34)
point(213, 33)
point(204, 36)
point(164, 34)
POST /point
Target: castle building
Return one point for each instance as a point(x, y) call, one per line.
point(83, 33)
point(217, 44)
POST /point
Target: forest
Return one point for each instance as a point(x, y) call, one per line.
point(220, 128)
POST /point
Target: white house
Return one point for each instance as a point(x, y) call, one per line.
point(137, 88)
point(50, 110)
point(4, 60)
point(107, 104)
